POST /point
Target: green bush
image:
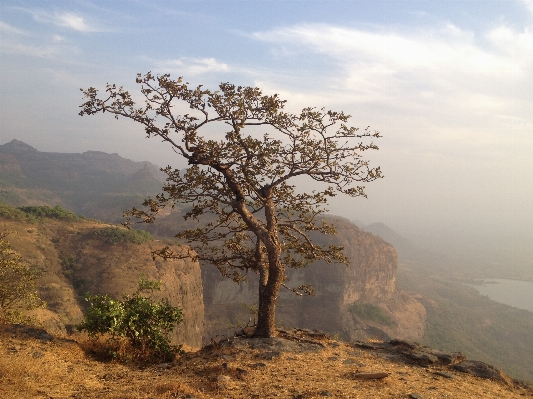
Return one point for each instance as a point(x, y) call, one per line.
point(367, 311)
point(145, 325)
point(56, 212)
point(35, 213)
point(10, 212)
point(115, 235)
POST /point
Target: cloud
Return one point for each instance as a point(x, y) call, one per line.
point(430, 69)
point(9, 29)
point(73, 21)
point(31, 50)
point(529, 5)
point(191, 66)
point(65, 19)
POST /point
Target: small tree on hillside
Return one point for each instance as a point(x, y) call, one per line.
point(18, 291)
point(245, 175)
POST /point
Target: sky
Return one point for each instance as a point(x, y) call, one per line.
point(449, 84)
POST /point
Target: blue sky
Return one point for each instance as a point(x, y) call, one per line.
point(449, 84)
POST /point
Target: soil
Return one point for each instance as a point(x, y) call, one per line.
point(34, 364)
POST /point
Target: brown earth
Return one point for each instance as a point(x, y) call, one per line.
point(76, 263)
point(36, 365)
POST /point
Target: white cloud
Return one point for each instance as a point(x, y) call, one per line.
point(529, 5)
point(9, 29)
point(63, 19)
point(392, 68)
point(31, 50)
point(192, 66)
point(73, 21)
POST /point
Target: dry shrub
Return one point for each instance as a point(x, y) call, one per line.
point(108, 348)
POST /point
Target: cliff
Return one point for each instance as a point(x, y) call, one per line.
point(76, 262)
point(357, 301)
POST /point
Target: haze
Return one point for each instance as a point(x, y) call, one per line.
point(448, 84)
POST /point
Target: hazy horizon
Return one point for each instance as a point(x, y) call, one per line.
point(448, 84)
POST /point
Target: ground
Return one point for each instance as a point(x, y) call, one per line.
point(33, 364)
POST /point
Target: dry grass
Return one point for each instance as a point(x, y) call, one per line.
point(34, 368)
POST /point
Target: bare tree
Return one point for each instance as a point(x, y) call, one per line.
point(262, 223)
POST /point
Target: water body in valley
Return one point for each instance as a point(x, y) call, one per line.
point(509, 292)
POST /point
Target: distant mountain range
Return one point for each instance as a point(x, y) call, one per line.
point(93, 184)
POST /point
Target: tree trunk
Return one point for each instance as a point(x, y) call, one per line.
point(269, 285)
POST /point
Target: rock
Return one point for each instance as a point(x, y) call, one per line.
point(415, 396)
point(481, 369)
point(325, 393)
point(370, 376)
point(276, 344)
point(445, 375)
point(270, 355)
point(424, 355)
point(37, 355)
point(223, 382)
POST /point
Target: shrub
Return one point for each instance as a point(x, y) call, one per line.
point(367, 311)
point(10, 212)
point(145, 325)
point(115, 235)
point(18, 290)
point(56, 212)
point(35, 213)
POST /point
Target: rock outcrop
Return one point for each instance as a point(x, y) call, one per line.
point(367, 282)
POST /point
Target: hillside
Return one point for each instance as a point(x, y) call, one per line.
point(34, 364)
point(458, 317)
point(94, 184)
point(80, 256)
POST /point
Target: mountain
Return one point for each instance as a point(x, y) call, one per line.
point(94, 184)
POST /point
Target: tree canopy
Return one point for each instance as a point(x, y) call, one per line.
point(245, 175)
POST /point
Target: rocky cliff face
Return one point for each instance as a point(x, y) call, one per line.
point(75, 262)
point(355, 301)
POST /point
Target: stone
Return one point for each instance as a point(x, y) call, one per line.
point(370, 376)
point(223, 382)
point(445, 375)
point(270, 355)
point(415, 395)
point(480, 369)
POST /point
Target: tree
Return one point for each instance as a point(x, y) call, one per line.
point(145, 324)
point(247, 180)
point(18, 280)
